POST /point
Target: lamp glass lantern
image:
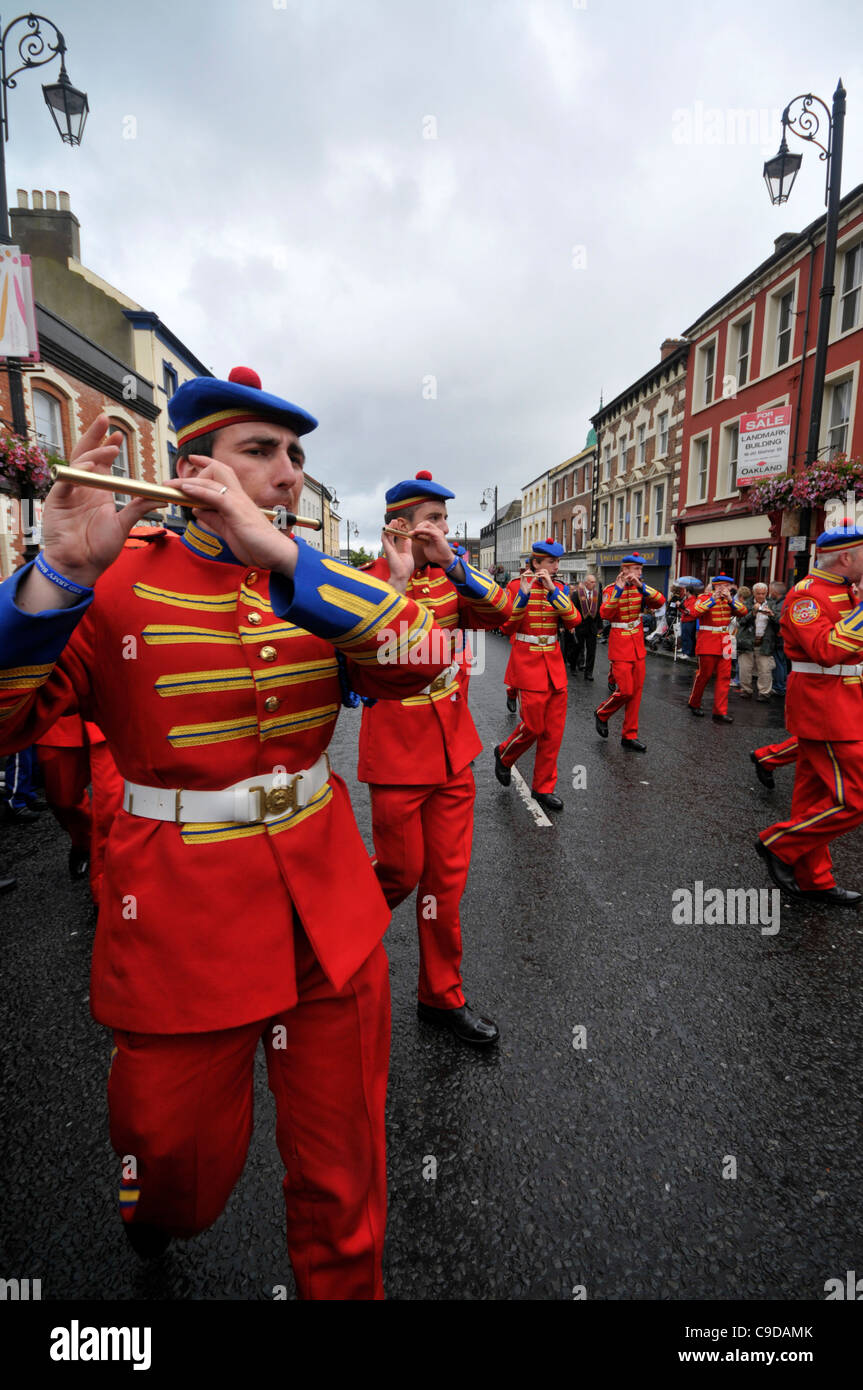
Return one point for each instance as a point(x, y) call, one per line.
point(780, 173)
point(68, 106)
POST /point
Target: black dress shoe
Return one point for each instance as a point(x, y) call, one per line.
point(24, 815)
point(764, 775)
point(463, 1023)
point(501, 771)
point(781, 873)
point(633, 745)
point(79, 862)
point(835, 896)
point(511, 705)
point(588, 678)
point(147, 1241)
point(697, 711)
point(723, 718)
point(548, 801)
point(601, 725)
point(7, 884)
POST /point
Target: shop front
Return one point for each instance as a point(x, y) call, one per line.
point(742, 547)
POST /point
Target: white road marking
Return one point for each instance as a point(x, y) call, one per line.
point(533, 806)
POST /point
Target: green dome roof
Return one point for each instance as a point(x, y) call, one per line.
point(590, 442)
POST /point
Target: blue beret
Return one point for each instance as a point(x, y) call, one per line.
point(412, 491)
point(206, 404)
point(723, 579)
point(844, 537)
point(547, 547)
point(633, 559)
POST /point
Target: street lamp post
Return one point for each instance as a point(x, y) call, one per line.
point(779, 175)
point(32, 48)
point(489, 494)
point(351, 530)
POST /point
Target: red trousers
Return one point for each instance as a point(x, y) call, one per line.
point(827, 802)
point(543, 719)
point(67, 772)
point(422, 838)
point(628, 676)
point(777, 754)
point(712, 665)
point(181, 1120)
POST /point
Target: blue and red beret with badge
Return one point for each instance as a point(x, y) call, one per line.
point(633, 559)
point(412, 491)
point(206, 404)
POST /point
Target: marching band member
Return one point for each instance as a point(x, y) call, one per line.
point(238, 903)
point(623, 603)
point(822, 630)
point(715, 610)
point(536, 670)
point(416, 756)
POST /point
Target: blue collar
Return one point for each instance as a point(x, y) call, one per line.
point(208, 544)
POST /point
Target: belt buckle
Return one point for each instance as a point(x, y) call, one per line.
point(275, 800)
point(438, 683)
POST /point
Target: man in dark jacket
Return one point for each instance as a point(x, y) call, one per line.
point(586, 599)
point(757, 631)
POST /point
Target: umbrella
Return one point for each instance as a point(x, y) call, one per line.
point(688, 579)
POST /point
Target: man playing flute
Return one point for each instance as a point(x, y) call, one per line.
point(239, 903)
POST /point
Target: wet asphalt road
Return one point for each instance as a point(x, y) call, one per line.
point(600, 1166)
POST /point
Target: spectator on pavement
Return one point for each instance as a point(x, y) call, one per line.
point(756, 643)
point(777, 592)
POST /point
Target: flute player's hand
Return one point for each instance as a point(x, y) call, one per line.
point(82, 530)
point(223, 506)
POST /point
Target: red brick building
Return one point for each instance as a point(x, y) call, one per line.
point(754, 349)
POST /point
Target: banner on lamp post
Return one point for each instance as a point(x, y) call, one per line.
point(762, 449)
point(18, 336)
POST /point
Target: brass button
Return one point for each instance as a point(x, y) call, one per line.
point(251, 576)
point(271, 702)
point(267, 653)
point(254, 618)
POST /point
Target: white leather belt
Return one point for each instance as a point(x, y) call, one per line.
point(443, 681)
point(716, 627)
point(811, 669)
point(548, 641)
point(628, 627)
point(257, 799)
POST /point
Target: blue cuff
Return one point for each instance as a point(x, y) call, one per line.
point(475, 585)
point(34, 639)
point(311, 598)
point(558, 599)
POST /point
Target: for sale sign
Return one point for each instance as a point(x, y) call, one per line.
point(762, 450)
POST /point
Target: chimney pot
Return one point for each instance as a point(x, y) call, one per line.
point(23, 198)
point(38, 200)
point(668, 346)
point(50, 200)
point(64, 202)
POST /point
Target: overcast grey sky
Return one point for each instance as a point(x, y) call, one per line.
point(587, 194)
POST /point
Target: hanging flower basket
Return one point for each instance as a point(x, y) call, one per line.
point(23, 464)
point(811, 487)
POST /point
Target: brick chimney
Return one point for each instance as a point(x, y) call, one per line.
point(45, 229)
point(668, 346)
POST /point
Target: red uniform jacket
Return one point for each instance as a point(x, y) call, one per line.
point(623, 608)
point(71, 731)
point(714, 624)
point(821, 626)
point(425, 738)
point(538, 665)
point(202, 672)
